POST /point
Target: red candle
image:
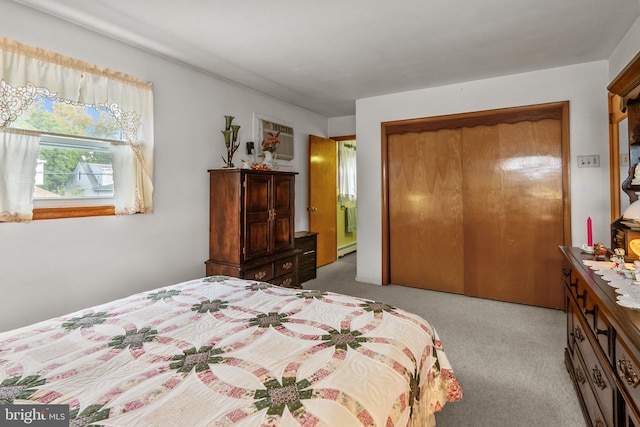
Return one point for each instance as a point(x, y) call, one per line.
point(589, 233)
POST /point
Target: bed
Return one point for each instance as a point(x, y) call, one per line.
point(222, 351)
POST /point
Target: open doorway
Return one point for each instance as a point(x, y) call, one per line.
point(347, 214)
point(333, 196)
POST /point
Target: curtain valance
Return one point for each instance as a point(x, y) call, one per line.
point(27, 72)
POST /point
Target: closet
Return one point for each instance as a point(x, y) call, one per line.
point(478, 205)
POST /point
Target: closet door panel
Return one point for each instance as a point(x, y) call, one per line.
point(425, 210)
point(513, 212)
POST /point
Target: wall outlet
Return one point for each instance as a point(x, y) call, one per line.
point(592, 161)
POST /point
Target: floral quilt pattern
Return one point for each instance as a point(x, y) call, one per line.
point(221, 351)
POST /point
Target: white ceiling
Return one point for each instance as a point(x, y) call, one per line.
point(323, 55)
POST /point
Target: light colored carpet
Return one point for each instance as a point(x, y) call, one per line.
point(508, 358)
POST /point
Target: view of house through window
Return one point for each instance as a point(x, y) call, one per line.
point(74, 164)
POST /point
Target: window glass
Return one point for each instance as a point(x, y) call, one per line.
point(63, 118)
point(74, 164)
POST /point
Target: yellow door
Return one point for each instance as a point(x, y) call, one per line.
point(323, 193)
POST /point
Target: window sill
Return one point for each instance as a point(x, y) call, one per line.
point(72, 212)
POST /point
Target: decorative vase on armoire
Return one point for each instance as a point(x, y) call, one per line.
point(270, 159)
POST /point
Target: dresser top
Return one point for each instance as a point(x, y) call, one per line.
point(626, 320)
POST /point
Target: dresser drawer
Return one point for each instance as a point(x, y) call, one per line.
point(581, 375)
point(598, 324)
point(263, 273)
point(603, 387)
point(306, 244)
point(628, 370)
point(571, 323)
point(631, 419)
point(604, 333)
point(285, 266)
point(594, 373)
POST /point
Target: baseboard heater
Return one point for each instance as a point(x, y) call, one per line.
point(347, 249)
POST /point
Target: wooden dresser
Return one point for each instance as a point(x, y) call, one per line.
point(251, 226)
point(603, 346)
point(307, 242)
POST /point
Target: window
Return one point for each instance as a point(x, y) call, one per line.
point(74, 166)
point(72, 136)
point(73, 172)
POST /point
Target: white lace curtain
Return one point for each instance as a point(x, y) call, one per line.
point(347, 186)
point(27, 72)
point(18, 158)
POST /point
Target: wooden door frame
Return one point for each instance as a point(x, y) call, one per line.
point(553, 110)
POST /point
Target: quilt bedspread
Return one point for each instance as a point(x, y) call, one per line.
point(221, 351)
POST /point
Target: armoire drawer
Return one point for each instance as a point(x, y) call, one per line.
point(263, 273)
point(285, 266)
point(288, 280)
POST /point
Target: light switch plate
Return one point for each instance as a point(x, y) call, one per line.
point(592, 161)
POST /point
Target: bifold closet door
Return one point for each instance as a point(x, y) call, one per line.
point(425, 210)
point(478, 211)
point(513, 212)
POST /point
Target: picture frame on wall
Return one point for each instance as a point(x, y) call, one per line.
point(263, 124)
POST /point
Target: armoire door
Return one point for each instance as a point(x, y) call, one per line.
point(478, 210)
point(257, 208)
point(283, 212)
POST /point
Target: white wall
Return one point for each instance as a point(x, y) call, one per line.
point(50, 268)
point(584, 85)
point(342, 126)
point(626, 50)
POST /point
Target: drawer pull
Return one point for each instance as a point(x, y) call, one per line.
point(287, 265)
point(604, 332)
point(287, 282)
point(580, 376)
point(308, 252)
point(578, 334)
point(573, 284)
point(260, 274)
point(566, 271)
point(582, 295)
point(592, 311)
point(626, 373)
point(597, 378)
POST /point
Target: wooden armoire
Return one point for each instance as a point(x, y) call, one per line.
point(251, 226)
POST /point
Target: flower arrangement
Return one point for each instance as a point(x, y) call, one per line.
point(230, 140)
point(270, 144)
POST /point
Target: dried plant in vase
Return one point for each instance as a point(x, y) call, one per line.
point(230, 140)
point(269, 146)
